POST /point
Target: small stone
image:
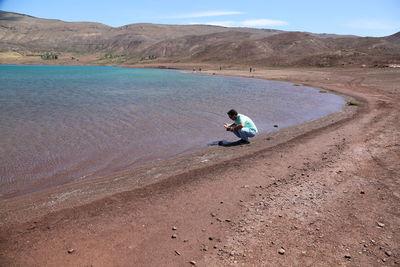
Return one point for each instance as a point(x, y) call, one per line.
point(347, 256)
point(70, 251)
point(384, 260)
point(177, 253)
point(215, 246)
point(304, 253)
point(192, 262)
point(276, 126)
point(281, 251)
point(173, 236)
point(213, 214)
point(380, 224)
point(174, 228)
point(362, 192)
point(228, 220)
point(389, 253)
point(210, 238)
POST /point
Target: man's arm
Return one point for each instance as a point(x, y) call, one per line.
point(227, 125)
point(239, 126)
point(234, 127)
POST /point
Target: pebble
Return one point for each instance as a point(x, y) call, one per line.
point(275, 125)
point(174, 228)
point(389, 253)
point(384, 260)
point(281, 251)
point(192, 262)
point(70, 251)
point(347, 256)
point(380, 224)
point(228, 220)
point(177, 253)
point(173, 236)
point(213, 214)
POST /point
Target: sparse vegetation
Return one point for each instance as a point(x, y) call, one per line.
point(151, 57)
point(49, 56)
point(111, 57)
point(354, 103)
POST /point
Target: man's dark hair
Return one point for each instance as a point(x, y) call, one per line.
point(232, 112)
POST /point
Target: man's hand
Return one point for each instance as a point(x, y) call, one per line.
point(227, 125)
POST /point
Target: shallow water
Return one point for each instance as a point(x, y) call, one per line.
point(66, 123)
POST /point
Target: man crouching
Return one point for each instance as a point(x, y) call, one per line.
point(242, 126)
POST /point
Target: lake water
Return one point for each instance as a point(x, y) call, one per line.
point(65, 123)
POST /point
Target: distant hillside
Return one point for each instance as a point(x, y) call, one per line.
point(28, 39)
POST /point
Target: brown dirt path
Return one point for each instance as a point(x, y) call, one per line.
point(328, 197)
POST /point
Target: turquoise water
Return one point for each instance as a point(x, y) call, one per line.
point(66, 123)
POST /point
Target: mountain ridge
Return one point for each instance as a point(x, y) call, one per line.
point(97, 43)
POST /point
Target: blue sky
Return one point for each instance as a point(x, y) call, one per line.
point(358, 17)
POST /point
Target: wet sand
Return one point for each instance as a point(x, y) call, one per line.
point(317, 189)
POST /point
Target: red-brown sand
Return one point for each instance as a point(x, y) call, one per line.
point(323, 193)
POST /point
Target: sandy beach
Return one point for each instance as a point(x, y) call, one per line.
point(322, 193)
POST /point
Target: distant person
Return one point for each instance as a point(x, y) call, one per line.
point(242, 126)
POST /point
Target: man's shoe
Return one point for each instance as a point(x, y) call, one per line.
point(241, 141)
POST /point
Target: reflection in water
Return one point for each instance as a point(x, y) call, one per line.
point(65, 123)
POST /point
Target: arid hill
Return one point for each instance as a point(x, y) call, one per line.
point(26, 39)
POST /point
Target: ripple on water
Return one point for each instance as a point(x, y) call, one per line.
point(63, 123)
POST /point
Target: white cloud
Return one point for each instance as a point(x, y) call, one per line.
point(246, 23)
point(205, 14)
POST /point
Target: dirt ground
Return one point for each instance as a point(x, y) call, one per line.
point(321, 194)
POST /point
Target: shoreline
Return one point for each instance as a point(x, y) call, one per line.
point(317, 190)
point(53, 198)
point(16, 192)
